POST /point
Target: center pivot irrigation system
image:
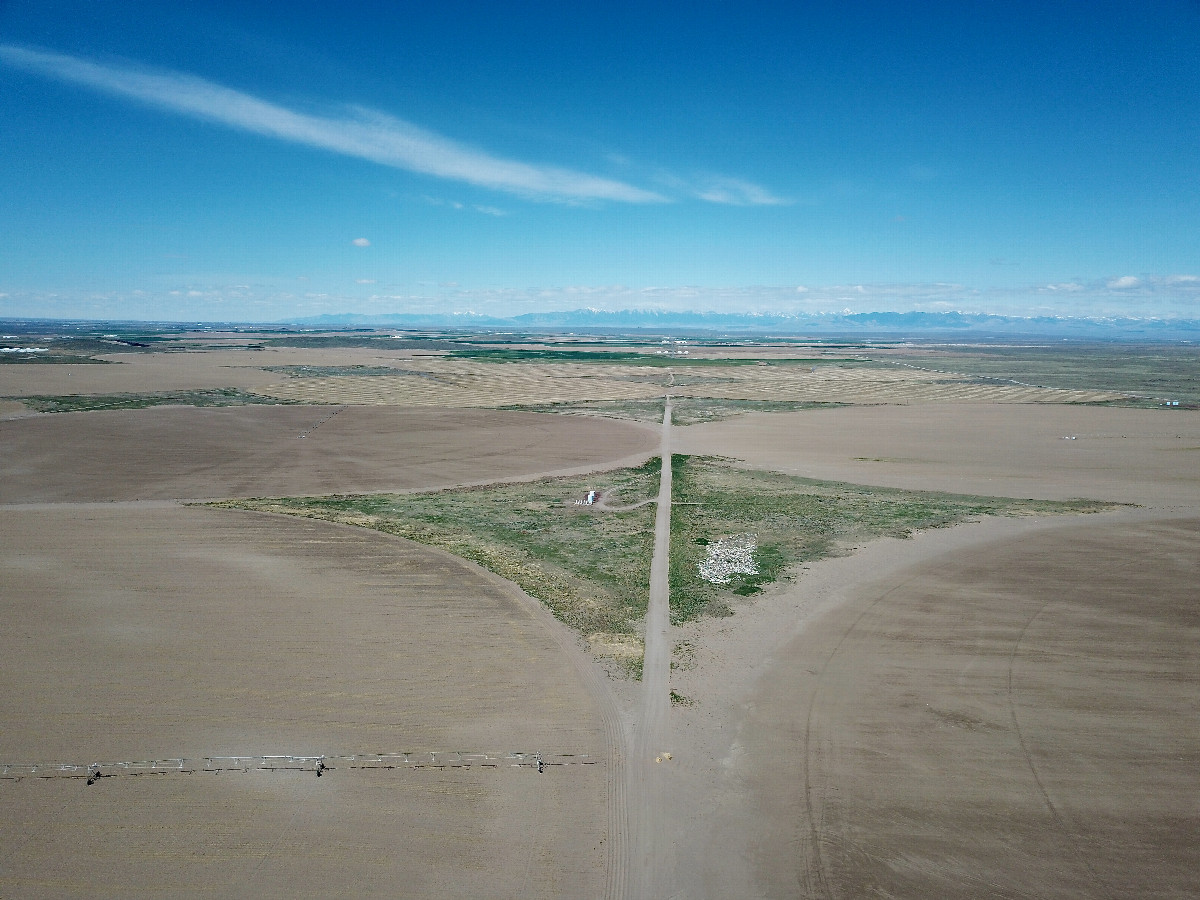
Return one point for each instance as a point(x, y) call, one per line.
point(431, 759)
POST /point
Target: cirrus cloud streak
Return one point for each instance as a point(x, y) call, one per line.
point(363, 133)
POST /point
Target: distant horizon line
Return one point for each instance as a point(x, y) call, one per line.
point(747, 323)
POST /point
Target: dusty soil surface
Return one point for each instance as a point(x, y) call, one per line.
point(185, 452)
point(1016, 720)
point(144, 632)
point(1126, 455)
point(1000, 709)
point(140, 373)
point(995, 710)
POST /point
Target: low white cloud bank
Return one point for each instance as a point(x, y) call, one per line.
point(1124, 283)
point(1175, 296)
point(364, 133)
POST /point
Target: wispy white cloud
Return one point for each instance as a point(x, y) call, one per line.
point(362, 133)
point(718, 189)
point(361, 242)
point(1124, 283)
point(456, 204)
point(736, 192)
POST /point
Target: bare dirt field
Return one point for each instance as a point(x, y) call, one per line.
point(150, 632)
point(138, 373)
point(995, 710)
point(1016, 720)
point(185, 452)
point(1003, 709)
point(1048, 452)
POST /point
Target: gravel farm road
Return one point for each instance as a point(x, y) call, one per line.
point(649, 876)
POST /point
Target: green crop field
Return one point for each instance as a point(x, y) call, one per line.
point(685, 410)
point(634, 358)
point(1155, 371)
point(84, 402)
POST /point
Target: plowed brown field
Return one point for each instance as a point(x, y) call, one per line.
point(999, 710)
point(135, 633)
point(1017, 720)
point(1048, 452)
point(185, 452)
point(1005, 709)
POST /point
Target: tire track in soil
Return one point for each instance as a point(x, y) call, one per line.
point(616, 861)
point(1072, 834)
point(616, 857)
point(616, 865)
point(822, 885)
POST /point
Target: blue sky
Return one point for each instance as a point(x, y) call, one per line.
point(224, 162)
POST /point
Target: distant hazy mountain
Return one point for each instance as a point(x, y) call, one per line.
point(893, 323)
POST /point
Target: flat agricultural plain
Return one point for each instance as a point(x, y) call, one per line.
point(150, 637)
point(1011, 720)
point(172, 452)
point(1001, 709)
point(136, 635)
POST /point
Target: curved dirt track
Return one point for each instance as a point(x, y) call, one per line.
point(186, 452)
point(1013, 721)
point(140, 633)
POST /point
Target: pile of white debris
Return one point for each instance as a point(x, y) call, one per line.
point(730, 556)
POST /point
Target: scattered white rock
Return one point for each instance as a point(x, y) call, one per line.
point(730, 556)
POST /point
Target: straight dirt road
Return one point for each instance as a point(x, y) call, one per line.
point(651, 858)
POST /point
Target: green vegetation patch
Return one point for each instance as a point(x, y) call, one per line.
point(52, 358)
point(797, 520)
point(692, 410)
point(78, 349)
point(684, 410)
point(637, 410)
point(84, 402)
point(633, 357)
point(1155, 371)
point(368, 341)
point(590, 567)
point(338, 371)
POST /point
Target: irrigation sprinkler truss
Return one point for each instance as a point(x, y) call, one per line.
point(430, 759)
